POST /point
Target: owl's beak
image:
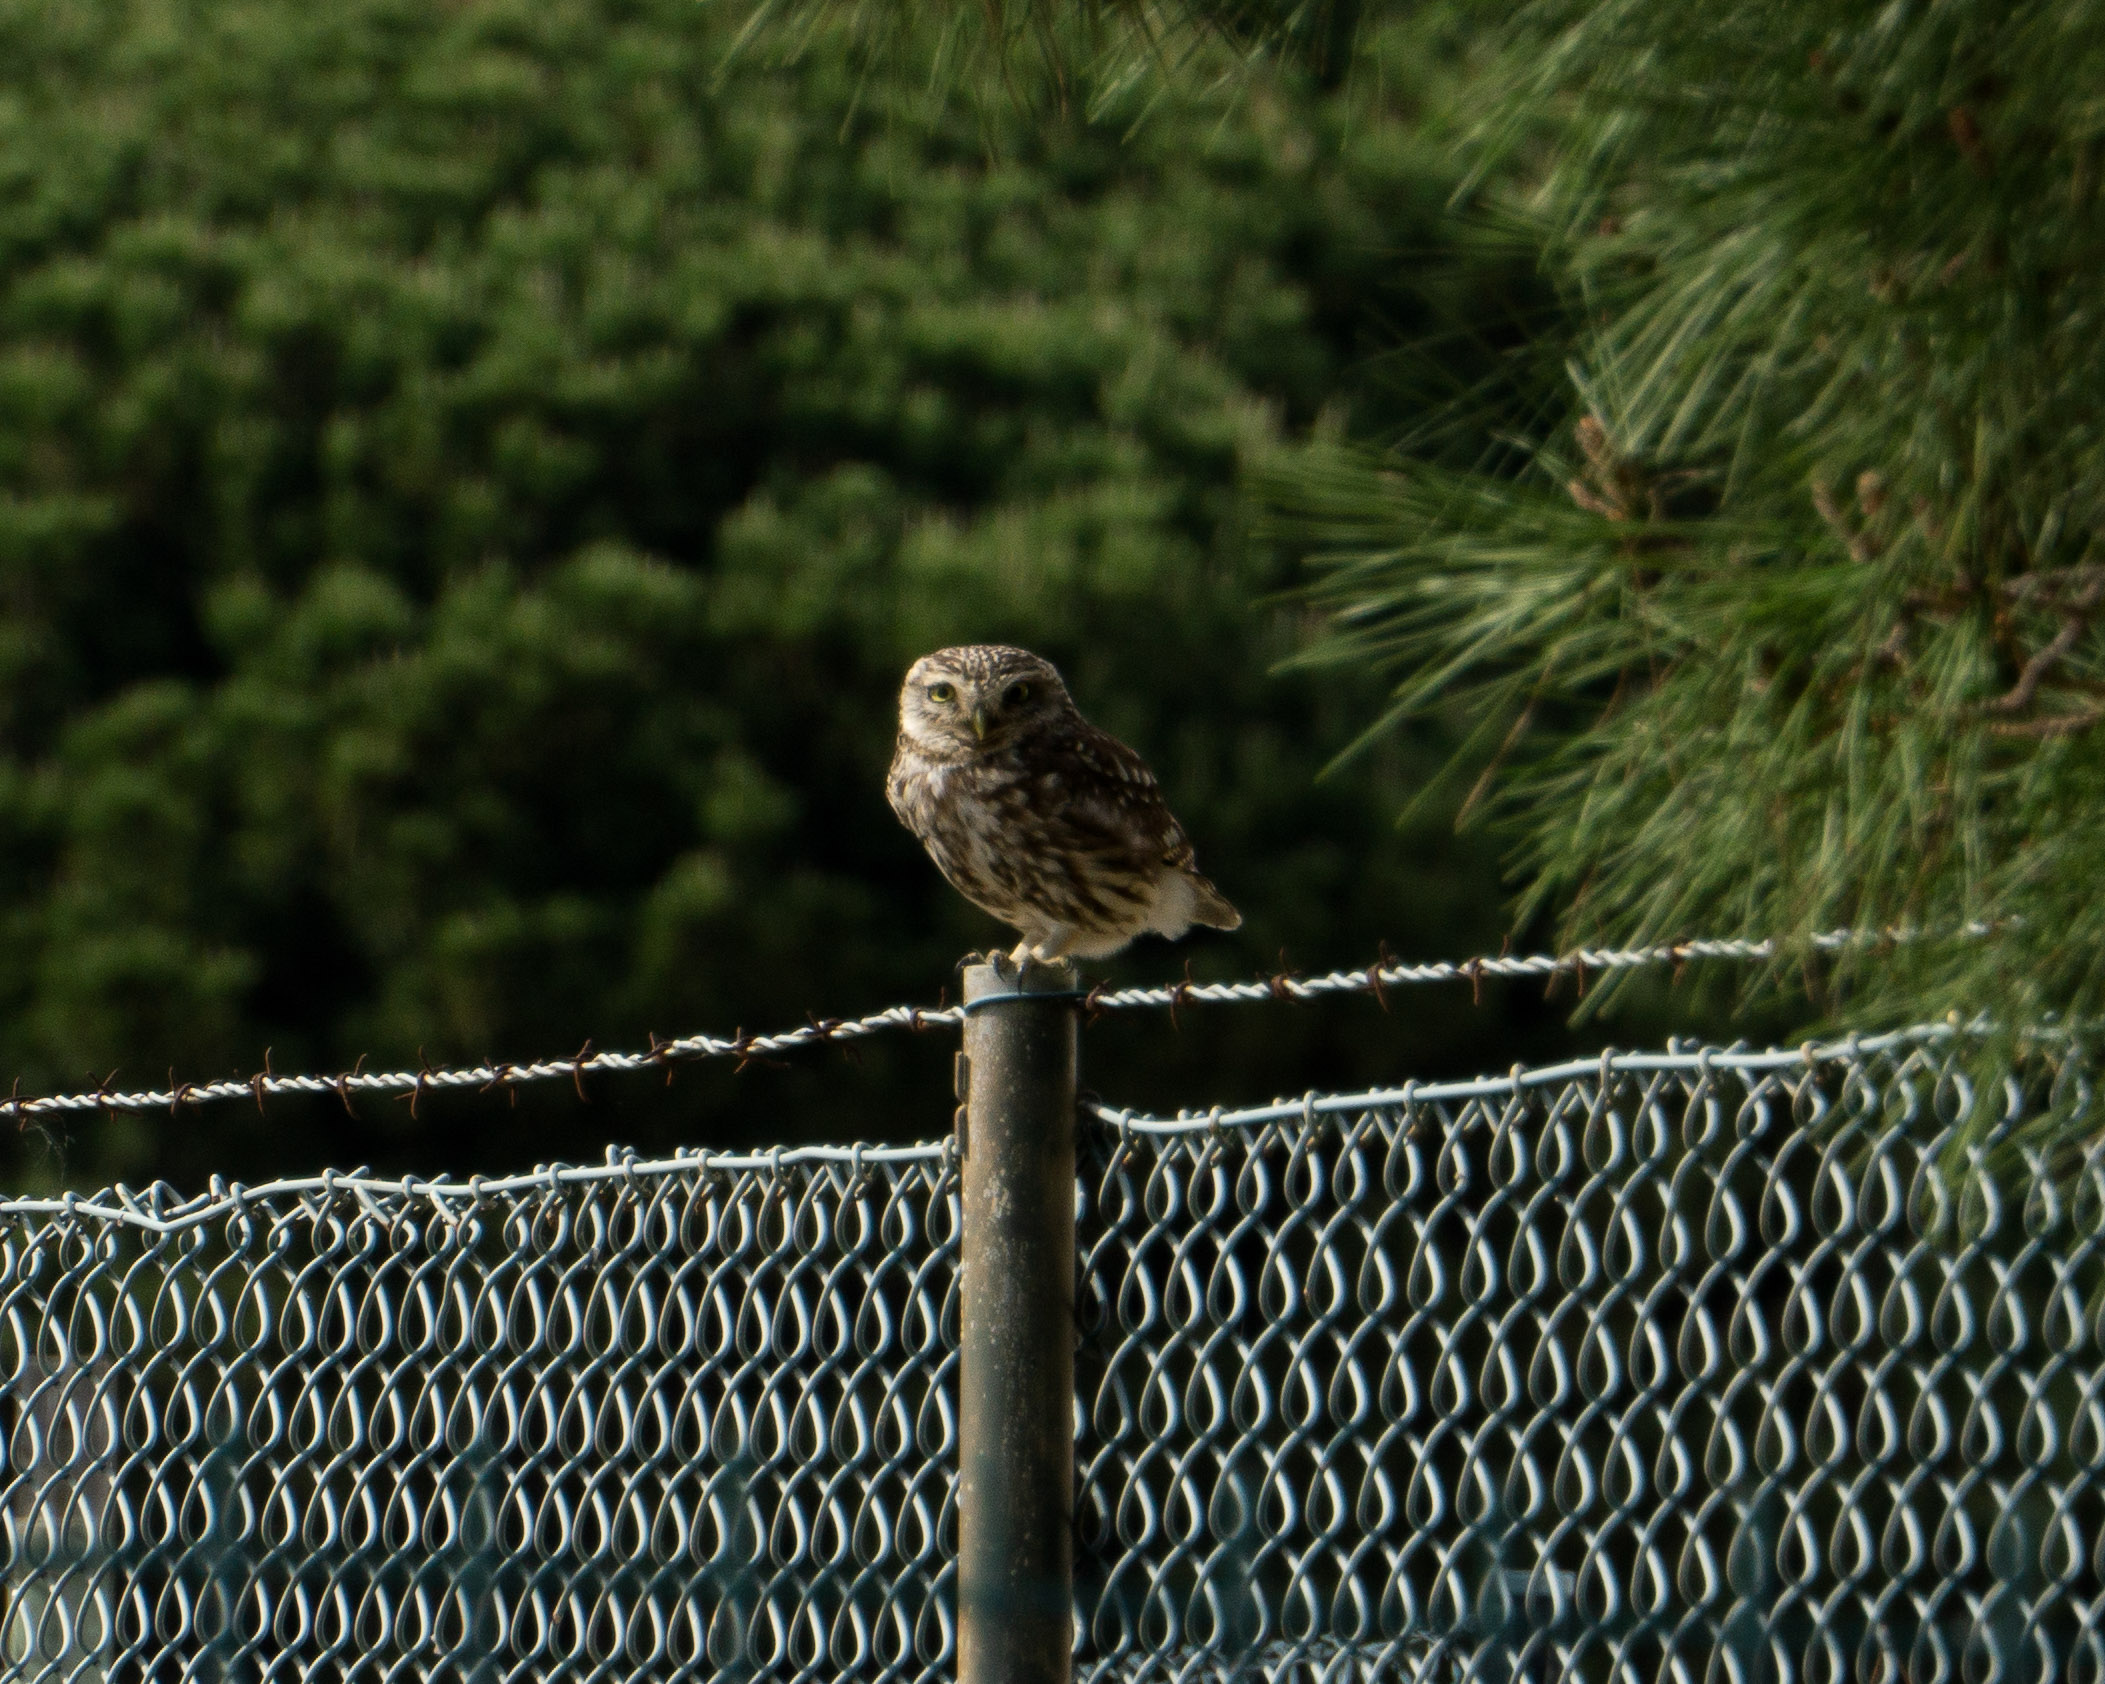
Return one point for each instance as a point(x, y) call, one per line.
point(979, 723)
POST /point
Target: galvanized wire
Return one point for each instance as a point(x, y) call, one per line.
point(1685, 1365)
point(496, 1075)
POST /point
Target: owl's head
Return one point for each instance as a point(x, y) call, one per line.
point(963, 701)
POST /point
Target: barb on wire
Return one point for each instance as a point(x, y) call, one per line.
point(160, 1209)
point(415, 1083)
point(1374, 979)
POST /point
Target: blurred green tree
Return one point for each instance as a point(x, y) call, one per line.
point(1783, 614)
point(471, 477)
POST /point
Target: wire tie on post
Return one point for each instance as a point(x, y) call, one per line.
point(985, 1000)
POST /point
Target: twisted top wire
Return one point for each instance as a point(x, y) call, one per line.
point(492, 1075)
point(160, 1209)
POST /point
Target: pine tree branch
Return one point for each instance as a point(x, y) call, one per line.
point(2081, 590)
point(2052, 725)
point(2020, 694)
point(1858, 539)
point(1850, 697)
point(2087, 583)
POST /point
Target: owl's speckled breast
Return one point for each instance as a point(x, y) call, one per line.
point(968, 816)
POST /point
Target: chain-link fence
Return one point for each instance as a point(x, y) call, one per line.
point(1694, 1365)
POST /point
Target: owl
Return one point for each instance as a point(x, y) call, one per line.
point(1035, 815)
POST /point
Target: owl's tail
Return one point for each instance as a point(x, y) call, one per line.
point(1209, 906)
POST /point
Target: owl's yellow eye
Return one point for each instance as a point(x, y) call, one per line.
point(942, 692)
point(1015, 695)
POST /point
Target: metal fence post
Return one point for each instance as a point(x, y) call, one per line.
point(1016, 1342)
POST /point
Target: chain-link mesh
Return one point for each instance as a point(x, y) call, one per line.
point(1684, 1366)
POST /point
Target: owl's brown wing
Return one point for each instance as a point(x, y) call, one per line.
point(1112, 802)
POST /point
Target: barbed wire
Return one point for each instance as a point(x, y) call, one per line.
point(160, 1209)
point(499, 1076)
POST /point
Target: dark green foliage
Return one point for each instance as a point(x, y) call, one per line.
point(1104, 57)
point(1789, 620)
point(472, 475)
